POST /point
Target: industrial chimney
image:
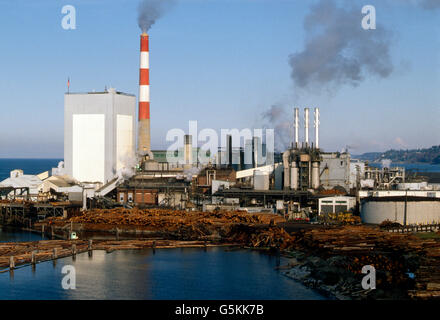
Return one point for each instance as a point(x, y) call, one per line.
point(144, 143)
point(317, 128)
point(306, 126)
point(187, 151)
point(296, 125)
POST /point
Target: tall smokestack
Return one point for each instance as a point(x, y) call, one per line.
point(229, 149)
point(317, 128)
point(306, 126)
point(187, 151)
point(296, 125)
point(144, 142)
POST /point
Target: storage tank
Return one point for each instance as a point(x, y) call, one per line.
point(294, 176)
point(261, 180)
point(315, 175)
point(419, 210)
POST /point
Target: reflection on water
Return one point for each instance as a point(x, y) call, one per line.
point(8, 234)
point(189, 273)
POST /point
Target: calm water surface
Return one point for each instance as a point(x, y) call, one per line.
point(187, 273)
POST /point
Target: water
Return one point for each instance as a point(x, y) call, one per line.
point(190, 273)
point(8, 234)
point(29, 166)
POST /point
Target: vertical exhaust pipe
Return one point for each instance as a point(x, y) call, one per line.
point(144, 143)
point(306, 126)
point(229, 149)
point(187, 151)
point(296, 126)
point(317, 128)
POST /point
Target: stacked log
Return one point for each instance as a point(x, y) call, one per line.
point(388, 252)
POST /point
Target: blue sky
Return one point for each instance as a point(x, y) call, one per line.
point(220, 62)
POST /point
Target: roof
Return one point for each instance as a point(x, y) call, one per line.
point(108, 91)
point(399, 199)
point(24, 181)
point(62, 181)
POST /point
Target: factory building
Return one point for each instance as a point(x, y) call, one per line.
point(336, 204)
point(335, 170)
point(99, 134)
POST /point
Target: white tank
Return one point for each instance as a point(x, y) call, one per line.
point(376, 211)
point(315, 175)
point(294, 176)
point(261, 180)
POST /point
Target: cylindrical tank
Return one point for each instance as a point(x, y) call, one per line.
point(294, 176)
point(286, 156)
point(261, 180)
point(315, 175)
point(418, 211)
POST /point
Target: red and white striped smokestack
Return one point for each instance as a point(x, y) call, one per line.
point(144, 143)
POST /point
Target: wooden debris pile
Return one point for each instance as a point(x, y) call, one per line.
point(273, 238)
point(162, 217)
point(428, 276)
point(393, 255)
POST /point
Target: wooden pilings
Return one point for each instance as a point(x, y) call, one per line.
point(33, 258)
point(31, 253)
point(90, 248)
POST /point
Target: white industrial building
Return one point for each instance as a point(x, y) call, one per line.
point(335, 170)
point(336, 204)
point(18, 179)
point(99, 134)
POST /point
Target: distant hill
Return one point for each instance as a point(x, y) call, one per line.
point(430, 155)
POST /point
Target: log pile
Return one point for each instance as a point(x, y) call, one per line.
point(428, 275)
point(162, 217)
point(391, 254)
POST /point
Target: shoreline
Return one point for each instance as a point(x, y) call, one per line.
point(326, 259)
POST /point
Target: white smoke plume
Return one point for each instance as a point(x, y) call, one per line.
point(128, 169)
point(149, 11)
point(191, 172)
point(281, 121)
point(429, 4)
point(338, 50)
point(386, 163)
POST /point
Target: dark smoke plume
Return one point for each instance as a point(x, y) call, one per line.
point(430, 4)
point(278, 118)
point(149, 11)
point(338, 50)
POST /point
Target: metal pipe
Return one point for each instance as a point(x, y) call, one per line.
point(317, 128)
point(296, 125)
point(306, 126)
point(188, 149)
